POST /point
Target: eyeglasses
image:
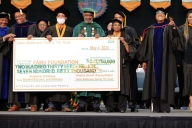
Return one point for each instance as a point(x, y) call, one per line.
point(42, 25)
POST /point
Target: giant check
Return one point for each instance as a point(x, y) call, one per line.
point(66, 64)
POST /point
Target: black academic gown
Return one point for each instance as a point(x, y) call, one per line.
point(124, 69)
point(20, 30)
point(187, 62)
point(35, 32)
point(59, 96)
point(36, 98)
point(133, 45)
point(169, 72)
point(3, 51)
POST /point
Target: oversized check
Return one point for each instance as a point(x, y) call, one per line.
point(66, 64)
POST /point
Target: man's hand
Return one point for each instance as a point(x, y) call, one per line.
point(80, 35)
point(97, 36)
point(144, 65)
point(9, 36)
point(49, 37)
point(29, 37)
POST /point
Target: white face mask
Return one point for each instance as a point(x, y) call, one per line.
point(60, 20)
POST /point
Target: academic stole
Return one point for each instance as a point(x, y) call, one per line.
point(115, 34)
point(21, 3)
point(187, 4)
point(160, 3)
point(53, 4)
point(130, 5)
point(0, 1)
point(63, 30)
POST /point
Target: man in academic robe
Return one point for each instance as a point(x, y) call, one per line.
point(88, 28)
point(133, 45)
point(19, 29)
point(158, 51)
point(60, 29)
point(4, 61)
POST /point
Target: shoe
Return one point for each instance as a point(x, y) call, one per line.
point(133, 109)
point(14, 108)
point(66, 110)
point(122, 111)
point(33, 108)
point(107, 111)
point(49, 109)
point(81, 109)
point(97, 110)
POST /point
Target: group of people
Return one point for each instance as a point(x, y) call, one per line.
point(162, 49)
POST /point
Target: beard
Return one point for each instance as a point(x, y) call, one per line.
point(88, 22)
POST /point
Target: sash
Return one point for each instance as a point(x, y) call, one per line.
point(130, 5)
point(160, 3)
point(187, 4)
point(21, 3)
point(53, 4)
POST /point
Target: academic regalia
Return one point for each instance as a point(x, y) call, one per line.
point(88, 30)
point(4, 65)
point(158, 50)
point(20, 30)
point(124, 78)
point(53, 32)
point(37, 97)
point(59, 97)
point(91, 29)
point(35, 32)
point(133, 45)
point(4, 61)
point(187, 63)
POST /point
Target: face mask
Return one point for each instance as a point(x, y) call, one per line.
point(60, 21)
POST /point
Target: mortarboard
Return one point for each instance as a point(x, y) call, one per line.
point(123, 15)
point(43, 19)
point(5, 15)
point(21, 11)
point(89, 10)
point(63, 10)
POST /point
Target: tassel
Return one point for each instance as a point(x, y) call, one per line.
point(166, 16)
point(9, 16)
point(48, 23)
point(124, 20)
point(20, 11)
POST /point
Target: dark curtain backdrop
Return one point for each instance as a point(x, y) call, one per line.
point(140, 18)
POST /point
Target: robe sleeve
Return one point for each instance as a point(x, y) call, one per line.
point(176, 39)
point(142, 52)
point(101, 32)
point(75, 32)
point(31, 30)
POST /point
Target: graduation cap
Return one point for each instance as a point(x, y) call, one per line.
point(116, 21)
point(5, 15)
point(90, 10)
point(63, 10)
point(43, 19)
point(123, 15)
point(21, 11)
point(160, 9)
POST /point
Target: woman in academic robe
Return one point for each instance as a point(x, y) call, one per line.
point(40, 29)
point(4, 61)
point(124, 69)
point(161, 41)
point(186, 30)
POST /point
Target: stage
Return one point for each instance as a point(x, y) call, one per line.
point(143, 119)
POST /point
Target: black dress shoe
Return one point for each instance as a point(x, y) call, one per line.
point(81, 109)
point(122, 111)
point(133, 109)
point(97, 110)
point(107, 111)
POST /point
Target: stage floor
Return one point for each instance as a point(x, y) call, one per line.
point(142, 112)
point(142, 119)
